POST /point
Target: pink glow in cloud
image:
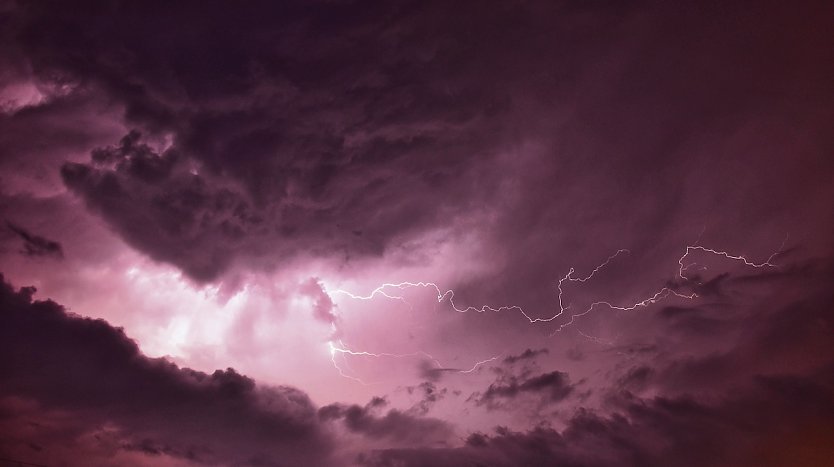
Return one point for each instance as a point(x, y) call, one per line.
point(416, 233)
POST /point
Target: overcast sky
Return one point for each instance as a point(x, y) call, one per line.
point(337, 233)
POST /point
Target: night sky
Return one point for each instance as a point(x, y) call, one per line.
point(416, 233)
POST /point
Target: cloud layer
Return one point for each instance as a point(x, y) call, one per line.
point(96, 379)
point(288, 191)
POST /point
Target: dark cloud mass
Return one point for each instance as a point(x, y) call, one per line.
point(35, 245)
point(528, 354)
point(336, 129)
point(395, 425)
point(768, 400)
point(555, 386)
point(77, 380)
point(335, 141)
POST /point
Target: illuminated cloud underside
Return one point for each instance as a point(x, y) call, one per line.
point(416, 233)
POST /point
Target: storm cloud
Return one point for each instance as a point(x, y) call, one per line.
point(35, 245)
point(397, 120)
point(764, 400)
point(95, 379)
point(528, 232)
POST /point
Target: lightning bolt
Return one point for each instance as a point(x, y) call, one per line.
point(450, 294)
point(747, 262)
point(441, 296)
point(479, 364)
point(339, 347)
point(342, 349)
point(333, 351)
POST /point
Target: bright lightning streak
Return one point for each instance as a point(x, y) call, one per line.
point(478, 364)
point(441, 296)
point(747, 262)
point(333, 351)
point(656, 297)
point(665, 291)
point(342, 349)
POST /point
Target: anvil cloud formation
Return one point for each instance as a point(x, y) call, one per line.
point(630, 204)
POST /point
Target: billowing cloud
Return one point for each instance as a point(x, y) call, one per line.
point(394, 124)
point(395, 426)
point(323, 307)
point(554, 386)
point(765, 399)
point(779, 421)
point(301, 172)
point(71, 377)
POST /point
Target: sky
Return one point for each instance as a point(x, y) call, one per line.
point(416, 233)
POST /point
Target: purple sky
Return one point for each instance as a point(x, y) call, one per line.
point(337, 233)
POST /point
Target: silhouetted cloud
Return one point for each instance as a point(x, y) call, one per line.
point(778, 421)
point(56, 362)
point(430, 395)
point(766, 399)
point(554, 386)
point(528, 354)
point(394, 425)
point(35, 245)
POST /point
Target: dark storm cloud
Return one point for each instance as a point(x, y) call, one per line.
point(787, 336)
point(338, 129)
point(56, 361)
point(430, 395)
point(556, 133)
point(636, 378)
point(759, 393)
point(326, 143)
point(35, 245)
point(553, 387)
point(779, 421)
point(124, 183)
point(395, 425)
point(528, 354)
